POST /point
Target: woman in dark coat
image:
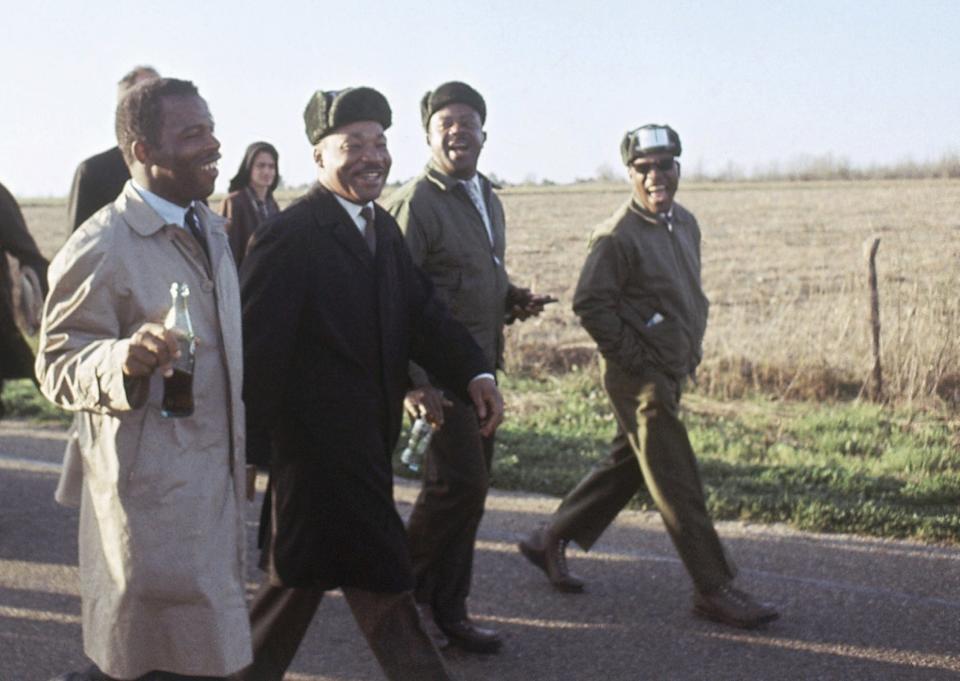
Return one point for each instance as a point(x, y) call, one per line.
point(250, 201)
point(16, 358)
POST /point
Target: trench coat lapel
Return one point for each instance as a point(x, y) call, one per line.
point(145, 221)
point(217, 242)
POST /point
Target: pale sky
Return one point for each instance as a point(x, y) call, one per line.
point(747, 82)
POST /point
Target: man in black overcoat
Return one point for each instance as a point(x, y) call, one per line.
point(333, 311)
point(16, 358)
point(99, 179)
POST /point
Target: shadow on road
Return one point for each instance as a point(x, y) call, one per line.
point(853, 608)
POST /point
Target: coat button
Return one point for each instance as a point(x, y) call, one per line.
point(207, 286)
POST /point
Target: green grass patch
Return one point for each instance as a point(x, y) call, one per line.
point(834, 467)
point(21, 399)
point(831, 467)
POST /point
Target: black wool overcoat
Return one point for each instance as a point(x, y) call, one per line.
point(16, 358)
point(329, 330)
point(97, 182)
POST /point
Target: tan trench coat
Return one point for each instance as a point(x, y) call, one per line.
point(162, 517)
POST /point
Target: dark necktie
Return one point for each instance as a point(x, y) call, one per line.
point(190, 220)
point(369, 233)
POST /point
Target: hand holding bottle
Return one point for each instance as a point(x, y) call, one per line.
point(427, 403)
point(151, 347)
point(413, 454)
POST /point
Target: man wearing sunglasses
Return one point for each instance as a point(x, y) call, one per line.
point(639, 297)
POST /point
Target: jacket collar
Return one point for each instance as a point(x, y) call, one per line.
point(653, 218)
point(137, 213)
point(325, 208)
point(145, 221)
point(448, 183)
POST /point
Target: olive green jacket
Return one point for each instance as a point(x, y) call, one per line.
point(448, 240)
point(639, 294)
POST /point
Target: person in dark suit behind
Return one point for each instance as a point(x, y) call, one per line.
point(333, 311)
point(250, 201)
point(16, 358)
point(100, 179)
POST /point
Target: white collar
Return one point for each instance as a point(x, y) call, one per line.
point(353, 210)
point(171, 213)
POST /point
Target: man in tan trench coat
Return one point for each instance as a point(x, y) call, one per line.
point(161, 515)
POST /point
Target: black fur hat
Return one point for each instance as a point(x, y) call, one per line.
point(649, 139)
point(328, 110)
point(453, 92)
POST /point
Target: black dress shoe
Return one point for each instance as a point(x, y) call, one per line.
point(549, 554)
point(468, 636)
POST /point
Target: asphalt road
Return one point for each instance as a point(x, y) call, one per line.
point(852, 608)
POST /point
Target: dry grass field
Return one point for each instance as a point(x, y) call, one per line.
point(784, 268)
point(783, 265)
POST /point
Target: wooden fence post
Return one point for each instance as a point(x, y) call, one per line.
point(876, 375)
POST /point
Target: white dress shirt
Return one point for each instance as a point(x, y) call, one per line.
point(353, 210)
point(171, 213)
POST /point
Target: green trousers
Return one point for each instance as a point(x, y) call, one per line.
point(651, 447)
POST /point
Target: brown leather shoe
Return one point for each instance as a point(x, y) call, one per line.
point(429, 623)
point(549, 554)
point(468, 636)
point(729, 605)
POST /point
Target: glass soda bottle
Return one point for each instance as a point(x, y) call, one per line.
point(420, 433)
point(178, 387)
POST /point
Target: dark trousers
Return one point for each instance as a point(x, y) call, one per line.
point(280, 617)
point(651, 447)
point(443, 525)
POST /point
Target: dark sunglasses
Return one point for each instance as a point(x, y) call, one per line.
point(664, 165)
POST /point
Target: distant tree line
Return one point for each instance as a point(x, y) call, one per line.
point(801, 169)
point(831, 167)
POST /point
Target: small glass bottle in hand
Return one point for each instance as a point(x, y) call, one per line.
point(413, 454)
point(178, 387)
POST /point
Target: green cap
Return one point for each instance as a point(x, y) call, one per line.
point(649, 139)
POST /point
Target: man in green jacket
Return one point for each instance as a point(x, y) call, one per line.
point(454, 226)
point(639, 297)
